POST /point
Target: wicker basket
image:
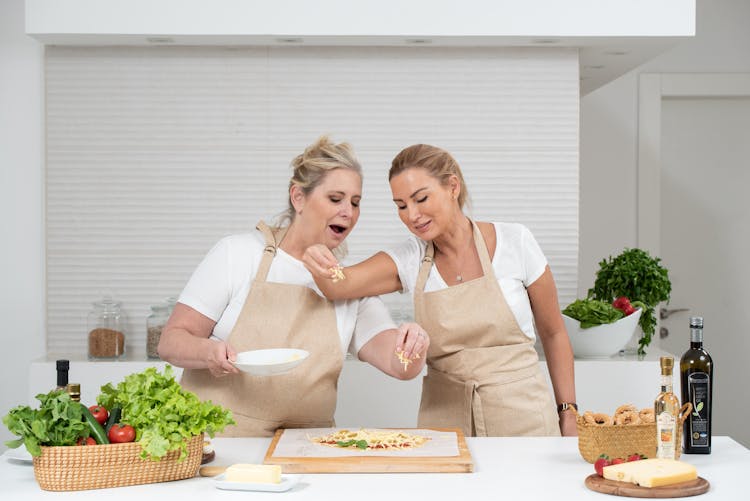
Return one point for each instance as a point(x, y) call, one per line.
point(621, 441)
point(77, 468)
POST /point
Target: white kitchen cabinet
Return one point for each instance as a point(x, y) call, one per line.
point(368, 397)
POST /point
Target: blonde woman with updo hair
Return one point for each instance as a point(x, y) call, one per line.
point(252, 292)
point(483, 291)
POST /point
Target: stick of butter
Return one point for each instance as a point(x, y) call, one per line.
point(651, 472)
point(254, 473)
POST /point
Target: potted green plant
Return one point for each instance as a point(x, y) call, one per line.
point(638, 276)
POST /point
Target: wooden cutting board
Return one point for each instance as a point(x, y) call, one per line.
point(375, 463)
point(684, 489)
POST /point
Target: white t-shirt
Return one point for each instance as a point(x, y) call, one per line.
point(219, 286)
point(518, 262)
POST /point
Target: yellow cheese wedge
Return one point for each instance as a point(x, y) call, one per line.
point(254, 473)
point(651, 472)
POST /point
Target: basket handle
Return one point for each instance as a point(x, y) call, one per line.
point(685, 411)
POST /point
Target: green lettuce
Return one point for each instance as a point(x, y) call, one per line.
point(162, 413)
point(58, 421)
point(592, 312)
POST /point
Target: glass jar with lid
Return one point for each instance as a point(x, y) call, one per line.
point(155, 322)
point(106, 324)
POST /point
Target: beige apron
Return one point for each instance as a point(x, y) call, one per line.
point(277, 315)
point(483, 371)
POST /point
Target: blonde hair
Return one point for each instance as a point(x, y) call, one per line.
point(436, 161)
point(310, 168)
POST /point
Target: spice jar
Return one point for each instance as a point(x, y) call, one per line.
point(106, 330)
point(155, 322)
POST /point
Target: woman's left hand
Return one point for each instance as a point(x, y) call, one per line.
point(568, 426)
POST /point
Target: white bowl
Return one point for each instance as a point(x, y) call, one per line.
point(270, 362)
point(601, 341)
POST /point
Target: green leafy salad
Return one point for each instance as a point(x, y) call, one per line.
point(58, 421)
point(162, 413)
point(592, 312)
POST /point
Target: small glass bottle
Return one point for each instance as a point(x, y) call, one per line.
point(697, 381)
point(62, 367)
point(155, 322)
point(666, 409)
point(106, 323)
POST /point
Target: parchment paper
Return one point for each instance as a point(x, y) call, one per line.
point(296, 443)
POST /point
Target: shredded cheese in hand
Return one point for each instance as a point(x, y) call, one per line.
point(337, 273)
point(404, 360)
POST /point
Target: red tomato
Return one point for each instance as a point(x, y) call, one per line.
point(99, 413)
point(618, 461)
point(121, 433)
point(86, 441)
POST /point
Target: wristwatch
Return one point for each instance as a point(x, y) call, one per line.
point(566, 406)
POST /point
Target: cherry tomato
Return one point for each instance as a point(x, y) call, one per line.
point(86, 441)
point(121, 433)
point(99, 413)
point(618, 461)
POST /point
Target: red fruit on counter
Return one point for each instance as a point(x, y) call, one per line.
point(600, 464)
point(99, 413)
point(635, 457)
point(121, 433)
point(86, 441)
point(617, 461)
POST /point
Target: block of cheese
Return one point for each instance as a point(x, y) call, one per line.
point(651, 472)
point(254, 473)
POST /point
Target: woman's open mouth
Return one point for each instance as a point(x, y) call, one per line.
point(339, 230)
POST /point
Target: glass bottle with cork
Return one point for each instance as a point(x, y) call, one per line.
point(666, 410)
point(696, 382)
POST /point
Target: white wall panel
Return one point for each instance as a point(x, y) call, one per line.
point(155, 153)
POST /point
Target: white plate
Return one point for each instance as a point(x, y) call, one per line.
point(270, 362)
point(19, 454)
point(287, 482)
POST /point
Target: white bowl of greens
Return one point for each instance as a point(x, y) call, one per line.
point(598, 333)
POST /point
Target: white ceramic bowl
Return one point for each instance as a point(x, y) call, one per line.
point(601, 341)
point(270, 362)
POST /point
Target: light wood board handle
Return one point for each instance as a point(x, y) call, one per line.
point(211, 471)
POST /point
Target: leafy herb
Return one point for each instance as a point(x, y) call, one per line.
point(592, 312)
point(58, 421)
point(640, 277)
point(362, 444)
point(163, 414)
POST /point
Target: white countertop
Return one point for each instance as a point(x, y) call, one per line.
point(505, 468)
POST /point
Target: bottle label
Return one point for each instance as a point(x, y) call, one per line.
point(665, 435)
point(697, 423)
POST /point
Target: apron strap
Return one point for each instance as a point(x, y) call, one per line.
point(424, 268)
point(484, 254)
point(273, 239)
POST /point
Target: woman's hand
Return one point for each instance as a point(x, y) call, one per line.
point(409, 341)
point(318, 259)
point(412, 341)
point(220, 358)
point(568, 426)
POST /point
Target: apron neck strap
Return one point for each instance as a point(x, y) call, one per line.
point(273, 239)
point(484, 255)
point(424, 268)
